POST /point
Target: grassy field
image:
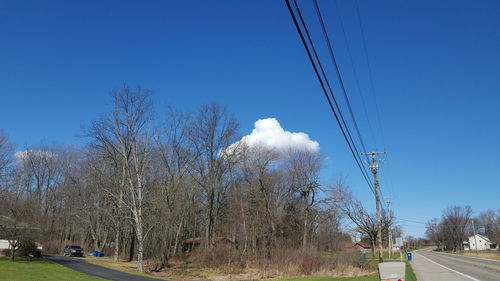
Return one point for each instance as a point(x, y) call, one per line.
point(480, 254)
point(410, 276)
point(42, 270)
point(38, 270)
point(130, 268)
point(367, 278)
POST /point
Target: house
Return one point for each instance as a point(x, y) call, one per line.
point(358, 246)
point(4, 244)
point(478, 242)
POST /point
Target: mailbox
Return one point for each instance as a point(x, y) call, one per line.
point(363, 257)
point(392, 271)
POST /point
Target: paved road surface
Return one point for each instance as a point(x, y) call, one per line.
point(80, 265)
point(433, 266)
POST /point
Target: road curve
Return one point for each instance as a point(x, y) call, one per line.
point(434, 266)
point(82, 266)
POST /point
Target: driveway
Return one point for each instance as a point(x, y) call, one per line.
point(80, 265)
point(434, 266)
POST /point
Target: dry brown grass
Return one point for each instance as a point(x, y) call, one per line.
point(481, 254)
point(225, 264)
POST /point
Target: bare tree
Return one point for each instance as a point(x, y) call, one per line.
point(6, 160)
point(5, 154)
point(259, 166)
point(141, 187)
point(173, 157)
point(127, 134)
point(18, 221)
point(211, 132)
point(453, 228)
point(488, 223)
point(41, 172)
point(302, 167)
point(365, 223)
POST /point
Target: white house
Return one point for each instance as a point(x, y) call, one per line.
point(4, 244)
point(479, 242)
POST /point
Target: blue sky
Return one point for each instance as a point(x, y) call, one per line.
point(435, 68)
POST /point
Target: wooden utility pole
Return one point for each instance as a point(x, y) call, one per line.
point(374, 168)
point(389, 220)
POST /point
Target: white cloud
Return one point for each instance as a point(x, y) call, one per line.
point(24, 155)
point(268, 133)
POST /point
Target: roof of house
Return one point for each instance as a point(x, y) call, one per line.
point(480, 236)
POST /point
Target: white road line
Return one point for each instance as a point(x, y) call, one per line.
point(464, 275)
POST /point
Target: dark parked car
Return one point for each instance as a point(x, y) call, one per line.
point(73, 251)
point(34, 253)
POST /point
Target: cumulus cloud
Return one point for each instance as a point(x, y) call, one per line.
point(24, 155)
point(268, 133)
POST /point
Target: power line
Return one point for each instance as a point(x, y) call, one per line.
point(409, 220)
point(352, 146)
point(356, 78)
point(330, 88)
point(370, 75)
point(339, 75)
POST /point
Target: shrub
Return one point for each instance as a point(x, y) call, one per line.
point(25, 248)
point(5, 252)
point(219, 255)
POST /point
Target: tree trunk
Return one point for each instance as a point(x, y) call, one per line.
point(304, 235)
point(176, 242)
point(373, 244)
point(132, 246)
point(210, 218)
point(244, 227)
point(140, 252)
point(140, 240)
point(116, 253)
point(12, 254)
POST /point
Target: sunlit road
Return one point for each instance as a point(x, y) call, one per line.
point(433, 266)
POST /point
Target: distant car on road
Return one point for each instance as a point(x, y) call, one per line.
point(73, 251)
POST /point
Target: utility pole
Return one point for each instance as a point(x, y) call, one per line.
point(389, 220)
point(475, 239)
point(374, 168)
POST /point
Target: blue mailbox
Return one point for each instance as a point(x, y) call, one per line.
point(363, 257)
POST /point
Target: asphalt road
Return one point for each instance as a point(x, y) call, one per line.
point(80, 265)
point(433, 266)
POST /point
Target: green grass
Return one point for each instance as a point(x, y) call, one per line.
point(38, 270)
point(410, 275)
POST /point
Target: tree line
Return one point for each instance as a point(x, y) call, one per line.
point(457, 223)
point(143, 184)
